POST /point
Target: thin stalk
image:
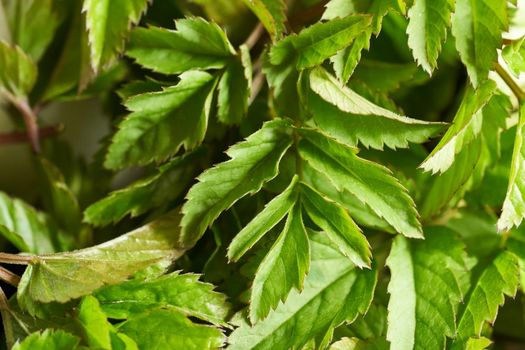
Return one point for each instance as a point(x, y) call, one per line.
point(17, 136)
point(9, 277)
point(254, 36)
point(518, 92)
point(15, 259)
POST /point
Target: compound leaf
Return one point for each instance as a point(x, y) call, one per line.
point(253, 162)
point(334, 291)
point(162, 121)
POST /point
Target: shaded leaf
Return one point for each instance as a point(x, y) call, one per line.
point(48, 340)
point(271, 13)
point(18, 71)
point(162, 121)
point(182, 292)
point(253, 162)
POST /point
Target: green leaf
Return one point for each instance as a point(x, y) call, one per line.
point(253, 162)
point(346, 60)
point(334, 291)
point(514, 55)
point(427, 30)
point(48, 340)
point(26, 228)
point(196, 44)
point(161, 122)
point(270, 216)
point(513, 209)
point(371, 183)
point(424, 290)
point(58, 197)
point(477, 26)
point(17, 71)
point(465, 129)
point(155, 191)
point(64, 276)
point(94, 324)
point(377, 8)
point(497, 279)
point(182, 292)
point(318, 42)
point(234, 87)
point(271, 13)
point(283, 268)
point(108, 23)
point(337, 225)
point(169, 329)
point(349, 117)
point(32, 24)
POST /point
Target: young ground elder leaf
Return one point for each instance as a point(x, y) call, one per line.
point(350, 118)
point(196, 44)
point(270, 216)
point(170, 329)
point(337, 225)
point(318, 42)
point(498, 278)
point(181, 292)
point(334, 291)
point(363, 179)
point(108, 23)
point(424, 289)
point(427, 29)
point(513, 210)
point(253, 162)
point(163, 121)
point(64, 276)
point(477, 26)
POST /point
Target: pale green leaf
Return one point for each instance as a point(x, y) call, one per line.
point(182, 292)
point(163, 121)
point(64, 276)
point(497, 279)
point(154, 191)
point(465, 129)
point(26, 228)
point(346, 60)
point(350, 118)
point(424, 290)
point(169, 329)
point(427, 30)
point(477, 343)
point(196, 44)
point(17, 71)
point(514, 55)
point(337, 225)
point(271, 13)
point(270, 216)
point(108, 23)
point(253, 162)
point(318, 42)
point(234, 88)
point(94, 323)
point(477, 26)
point(49, 340)
point(371, 183)
point(334, 291)
point(283, 268)
point(32, 24)
point(513, 209)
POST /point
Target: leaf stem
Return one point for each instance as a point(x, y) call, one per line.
point(254, 36)
point(518, 92)
point(15, 259)
point(30, 120)
point(17, 136)
point(9, 277)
